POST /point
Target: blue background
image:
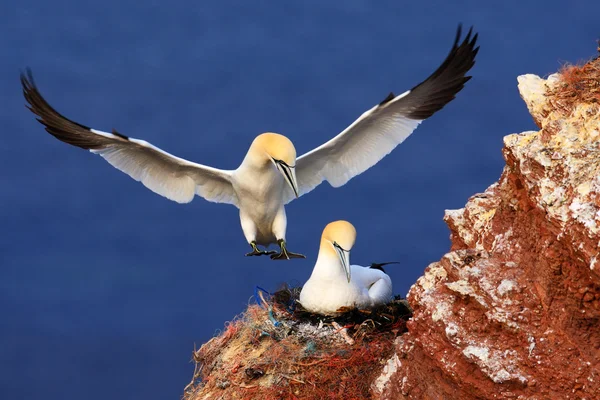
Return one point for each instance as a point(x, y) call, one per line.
point(105, 287)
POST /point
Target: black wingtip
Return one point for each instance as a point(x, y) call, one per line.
point(27, 79)
point(27, 82)
point(114, 132)
point(388, 98)
point(380, 266)
point(458, 34)
point(37, 104)
point(56, 124)
point(447, 80)
point(468, 37)
point(30, 76)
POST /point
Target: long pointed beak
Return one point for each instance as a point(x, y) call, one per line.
point(290, 176)
point(344, 256)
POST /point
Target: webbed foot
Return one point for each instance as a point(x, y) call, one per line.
point(257, 252)
point(284, 254)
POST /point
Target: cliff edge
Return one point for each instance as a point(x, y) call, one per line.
point(512, 312)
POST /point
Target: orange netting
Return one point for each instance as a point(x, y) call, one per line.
point(578, 84)
point(274, 352)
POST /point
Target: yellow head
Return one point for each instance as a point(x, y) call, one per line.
point(276, 148)
point(341, 232)
point(338, 237)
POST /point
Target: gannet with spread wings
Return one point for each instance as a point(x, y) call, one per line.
point(270, 175)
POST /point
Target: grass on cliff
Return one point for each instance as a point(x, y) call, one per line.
point(276, 350)
point(578, 84)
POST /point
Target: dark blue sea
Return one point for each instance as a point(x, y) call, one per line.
point(106, 287)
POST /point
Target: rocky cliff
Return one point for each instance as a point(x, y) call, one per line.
point(511, 312)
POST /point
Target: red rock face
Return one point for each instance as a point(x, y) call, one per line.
point(513, 311)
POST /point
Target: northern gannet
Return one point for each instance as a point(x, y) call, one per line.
point(335, 284)
point(270, 175)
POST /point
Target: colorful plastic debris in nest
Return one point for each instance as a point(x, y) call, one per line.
point(277, 350)
point(381, 318)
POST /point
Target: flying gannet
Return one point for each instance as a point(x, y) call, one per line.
point(335, 284)
point(270, 175)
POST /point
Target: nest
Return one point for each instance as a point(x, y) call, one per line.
point(277, 350)
point(577, 84)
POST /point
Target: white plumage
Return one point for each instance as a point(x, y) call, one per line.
point(360, 146)
point(270, 176)
point(163, 173)
point(335, 284)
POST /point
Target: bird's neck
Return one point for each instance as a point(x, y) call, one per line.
point(328, 265)
point(261, 176)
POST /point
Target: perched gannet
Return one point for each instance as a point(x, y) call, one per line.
point(334, 283)
point(270, 175)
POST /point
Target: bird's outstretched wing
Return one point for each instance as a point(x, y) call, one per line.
point(379, 130)
point(172, 177)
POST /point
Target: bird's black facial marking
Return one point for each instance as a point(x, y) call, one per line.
point(283, 163)
point(287, 172)
point(340, 247)
point(287, 175)
point(343, 255)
